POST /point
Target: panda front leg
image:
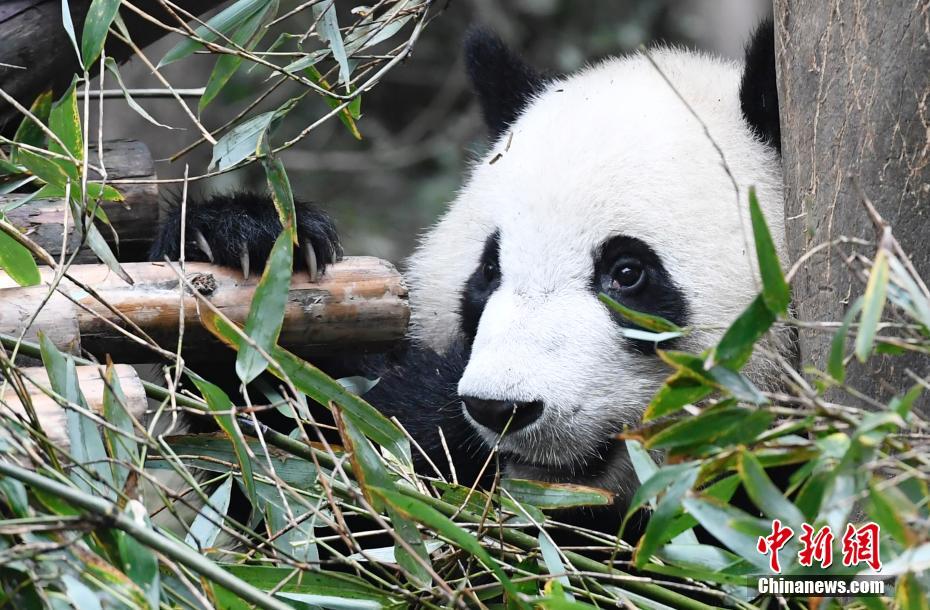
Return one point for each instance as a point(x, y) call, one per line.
point(239, 229)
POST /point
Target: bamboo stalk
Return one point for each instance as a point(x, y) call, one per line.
point(359, 303)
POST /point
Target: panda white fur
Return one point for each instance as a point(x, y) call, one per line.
point(603, 180)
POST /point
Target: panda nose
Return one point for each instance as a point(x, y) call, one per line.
point(495, 414)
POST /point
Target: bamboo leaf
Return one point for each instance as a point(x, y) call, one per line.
point(96, 24)
point(873, 303)
point(682, 388)
point(835, 365)
point(139, 561)
point(121, 447)
point(328, 30)
point(16, 260)
point(64, 121)
point(668, 507)
point(431, 518)
point(28, 131)
point(227, 65)
point(206, 526)
point(775, 291)
point(266, 313)
point(737, 343)
point(222, 409)
point(734, 528)
point(86, 445)
point(764, 494)
point(223, 23)
point(323, 389)
point(556, 495)
point(649, 322)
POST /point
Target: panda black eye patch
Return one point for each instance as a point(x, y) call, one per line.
point(631, 273)
point(480, 286)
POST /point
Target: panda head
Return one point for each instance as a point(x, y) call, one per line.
point(617, 179)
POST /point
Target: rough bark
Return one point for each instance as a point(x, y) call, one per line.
point(38, 54)
point(359, 303)
point(133, 219)
point(854, 86)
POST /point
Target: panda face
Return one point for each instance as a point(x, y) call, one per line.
point(603, 182)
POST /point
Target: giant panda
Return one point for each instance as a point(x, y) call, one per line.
point(629, 177)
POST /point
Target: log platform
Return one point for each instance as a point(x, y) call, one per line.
point(359, 304)
point(134, 219)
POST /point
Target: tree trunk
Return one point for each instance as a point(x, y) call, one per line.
point(854, 87)
point(36, 53)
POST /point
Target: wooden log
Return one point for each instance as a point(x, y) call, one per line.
point(53, 416)
point(359, 304)
point(133, 219)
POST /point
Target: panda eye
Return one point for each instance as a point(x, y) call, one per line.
point(490, 271)
point(627, 276)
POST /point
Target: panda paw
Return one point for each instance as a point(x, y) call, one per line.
point(239, 229)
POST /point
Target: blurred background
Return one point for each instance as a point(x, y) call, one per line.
point(420, 125)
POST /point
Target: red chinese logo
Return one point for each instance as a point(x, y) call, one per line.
point(860, 545)
point(817, 546)
point(771, 544)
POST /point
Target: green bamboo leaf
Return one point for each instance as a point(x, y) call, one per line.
point(416, 510)
point(347, 115)
point(556, 495)
point(888, 517)
point(764, 494)
point(216, 452)
point(323, 389)
point(653, 486)
point(682, 388)
point(316, 582)
point(553, 561)
point(735, 347)
point(649, 322)
point(266, 313)
point(114, 70)
point(100, 247)
point(667, 509)
point(371, 473)
point(835, 365)
point(709, 425)
point(280, 187)
point(16, 260)
point(65, 122)
point(224, 22)
point(873, 303)
point(68, 24)
point(222, 409)
point(96, 24)
point(328, 30)
point(775, 291)
point(28, 131)
point(80, 594)
point(56, 172)
point(121, 447)
point(138, 561)
point(908, 593)
point(87, 447)
point(734, 528)
point(206, 527)
point(244, 36)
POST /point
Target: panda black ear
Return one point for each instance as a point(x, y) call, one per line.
point(503, 82)
point(758, 91)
